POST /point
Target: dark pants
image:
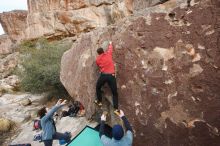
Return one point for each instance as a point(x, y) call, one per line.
point(57, 136)
point(110, 79)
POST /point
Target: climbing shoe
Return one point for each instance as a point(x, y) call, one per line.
point(117, 112)
point(98, 103)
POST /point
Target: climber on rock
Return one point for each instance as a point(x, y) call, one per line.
point(107, 74)
point(119, 138)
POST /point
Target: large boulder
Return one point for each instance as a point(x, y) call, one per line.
point(14, 24)
point(167, 63)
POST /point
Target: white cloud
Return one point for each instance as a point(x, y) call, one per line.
point(9, 5)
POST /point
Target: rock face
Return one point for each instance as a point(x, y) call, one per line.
point(8, 82)
point(59, 18)
point(63, 5)
point(8, 64)
point(66, 5)
point(5, 45)
point(69, 17)
point(14, 24)
point(168, 73)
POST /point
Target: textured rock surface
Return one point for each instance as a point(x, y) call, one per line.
point(14, 24)
point(66, 23)
point(11, 106)
point(167, 72)
point(66, 5)
point(9, 84)
point(7, 64)
point(68, 18)
point(5, 45)
point(59, 18)
point(63, 5)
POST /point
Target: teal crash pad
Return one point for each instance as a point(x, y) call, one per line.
point(87, 137)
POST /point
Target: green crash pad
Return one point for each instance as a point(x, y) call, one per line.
point(87, 137)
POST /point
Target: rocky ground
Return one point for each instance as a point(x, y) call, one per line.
point(21, 109)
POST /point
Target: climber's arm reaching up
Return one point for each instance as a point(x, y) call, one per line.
point(125, 121)
point(105, 140)
point(129, 131)
point(110, 48)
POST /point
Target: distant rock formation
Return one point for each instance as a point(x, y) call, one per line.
point(167, 62)
point(14, 24)
point(62, 18)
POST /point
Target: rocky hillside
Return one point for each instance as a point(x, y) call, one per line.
point(167, 61)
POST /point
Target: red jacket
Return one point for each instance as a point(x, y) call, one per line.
point(105, 62)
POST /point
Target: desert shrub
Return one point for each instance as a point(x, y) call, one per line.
point(40, 65)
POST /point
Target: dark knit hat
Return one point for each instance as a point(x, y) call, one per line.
point(117, 132)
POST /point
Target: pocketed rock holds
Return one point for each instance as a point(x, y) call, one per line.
point(5, 125)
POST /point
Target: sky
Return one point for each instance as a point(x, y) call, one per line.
point(9, 5)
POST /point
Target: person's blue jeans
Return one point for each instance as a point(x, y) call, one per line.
point(57, 136)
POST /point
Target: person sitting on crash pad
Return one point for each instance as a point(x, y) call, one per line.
point(107, 74)
point(119, 137)
point(48, 125)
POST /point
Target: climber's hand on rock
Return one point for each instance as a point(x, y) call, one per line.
point(110, 42)
point(121, 114)
point(103, 117)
